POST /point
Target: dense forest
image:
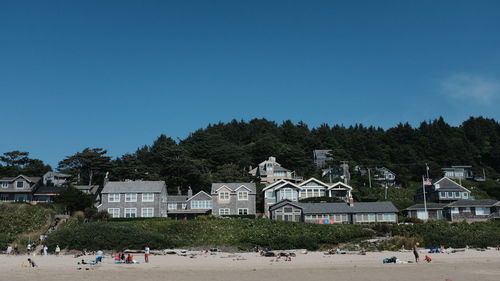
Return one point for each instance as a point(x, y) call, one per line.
point(226, 151)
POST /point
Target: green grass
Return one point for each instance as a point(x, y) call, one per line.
point(205, 232)
point(18, 219)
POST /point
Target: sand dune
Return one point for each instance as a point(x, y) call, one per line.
point(466, 266)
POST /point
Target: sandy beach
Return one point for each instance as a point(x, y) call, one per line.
point(468, 265)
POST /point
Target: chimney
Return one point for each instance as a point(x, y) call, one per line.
point(351, 202)
point(190, 192)
point(106, 179)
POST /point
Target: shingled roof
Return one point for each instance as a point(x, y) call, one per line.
point(133, 186)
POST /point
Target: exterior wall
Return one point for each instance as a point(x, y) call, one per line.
point(201, 196)
point(374, 217)
point(336, 218)
point(466, 214)
point(233, 204)
point(158, 204)
point(432, 214)
point(11, 192)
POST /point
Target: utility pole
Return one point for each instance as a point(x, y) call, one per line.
point(427, 169)
point(484, 175)
point(385, 197)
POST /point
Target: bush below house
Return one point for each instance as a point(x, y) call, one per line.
point(162, 233)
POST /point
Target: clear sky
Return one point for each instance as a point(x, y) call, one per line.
point(116, 74)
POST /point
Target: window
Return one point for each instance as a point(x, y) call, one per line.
point(130, 212)
point(243, 211)
point(242, 195)
point(20, 197)
point(201, 204)
point(482, 211)
point(5, 184)
point(270, 194)
point(465, 195)
point(466, 210)
point(224, 211)
point(114, 212)
point(365, 217)
point(130, 197)
point(442, 194)
point(114, 197)
point(147, 212)
point(148, 197)
point(183, 206)
point(455, 211)
point(172, 206)
point(450, 194)
point(19, 184)
point(224, 195)
point(288, 193)
point(457, 194)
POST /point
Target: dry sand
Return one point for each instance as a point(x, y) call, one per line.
point(471, 265)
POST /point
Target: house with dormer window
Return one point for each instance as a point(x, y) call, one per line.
point(19, 189)
point(233, 199)
point(444, 190)
point(189, 206)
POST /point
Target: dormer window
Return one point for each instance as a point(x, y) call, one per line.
point(224, 195)
point(242, 195)
point(5, 184)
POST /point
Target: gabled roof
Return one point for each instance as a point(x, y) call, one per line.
point(320, 183)
point(284, 202)
point(200, 193)
point(30, 179)
point(473, 203)
point(233, 186)
point(57, 174)
point(92, 189)
point(287, 184)
point(275, 184)
point(447, 184)
point(340, 185)
point(134, 186)
point(430, 206)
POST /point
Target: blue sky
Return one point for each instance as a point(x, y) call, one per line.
point(116, 74)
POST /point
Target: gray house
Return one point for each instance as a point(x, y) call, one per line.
point(328, 213)
point(189, 206)
point(233, 198)
point(444, 190)
point(130, 199)
point(55, 179)
point(19, 189)
point(460, 210)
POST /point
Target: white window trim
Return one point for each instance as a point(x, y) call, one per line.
point(172, 204)
point(133, 199)
point(224, 199)
point(125, 212)
point(243, 199)
point(22, 187)
point(152, 212)
point(224, 213)
point(114, 201)
point(5, 185)
point(243, 209)
point(149, 200)
point(111, 213)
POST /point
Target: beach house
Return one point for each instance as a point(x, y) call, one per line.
point(312, 187)
point(183, 207)
point(233, 198)
point(270, 171)
point(19, 189)
point(131, 199)
point(444, 190)
point(329, 213)
point(460, 210)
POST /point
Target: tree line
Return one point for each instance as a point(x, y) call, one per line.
point(224, 152)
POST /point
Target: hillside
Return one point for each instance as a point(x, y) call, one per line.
point(24, 220)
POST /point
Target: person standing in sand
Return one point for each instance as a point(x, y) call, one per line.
point(58, 250)
point(146, 254)
point(415, 251)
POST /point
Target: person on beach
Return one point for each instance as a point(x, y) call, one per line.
point(415, 252)
point(146, 254)
point(45, 249)
point(58, 250)
point(31, 262)
point(28, 249)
